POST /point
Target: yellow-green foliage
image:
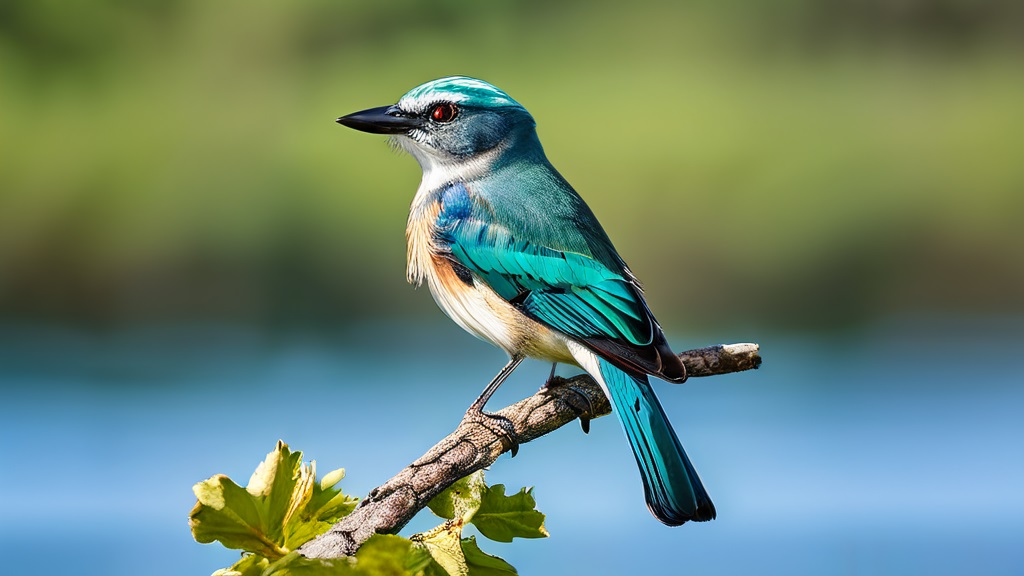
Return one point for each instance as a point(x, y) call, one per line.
point(177, 159)
point(284, 506)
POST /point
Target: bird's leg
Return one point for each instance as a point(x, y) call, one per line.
point(551, 377)
point(478, 406)
point(476, 410)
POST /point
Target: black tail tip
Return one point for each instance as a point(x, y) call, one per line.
point(671, 516)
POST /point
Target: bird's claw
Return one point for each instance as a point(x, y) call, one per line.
point(585, 423)
point(500, 425)
point(578, 401)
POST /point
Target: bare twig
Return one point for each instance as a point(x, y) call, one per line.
point(476, 444)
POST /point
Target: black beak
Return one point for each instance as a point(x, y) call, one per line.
point(382, 120)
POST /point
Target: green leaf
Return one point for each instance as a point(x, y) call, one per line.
point(332, 478)
point(444, 544)
point(503, 518)
point(226, 512)
point(282, 485)
point(461, 499)
point(394, 555)
point(483, 564)
point(249, 565)
point(325, 507)
point(294, 564)
point(281, 508)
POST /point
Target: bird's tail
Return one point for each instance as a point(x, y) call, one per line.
point(673, 490)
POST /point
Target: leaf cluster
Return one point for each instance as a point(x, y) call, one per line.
point(283, 506)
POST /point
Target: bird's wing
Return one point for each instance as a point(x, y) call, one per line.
point(573, 293)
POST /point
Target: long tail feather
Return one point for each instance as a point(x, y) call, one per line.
point(672, 487)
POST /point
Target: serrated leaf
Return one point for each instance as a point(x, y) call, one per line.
point(461, 499)
point(483, 564)
point(503, 518)
point(444, 544)
point(281, 508)
point(224, 511)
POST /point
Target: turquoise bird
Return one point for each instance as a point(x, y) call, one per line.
point(514, 256)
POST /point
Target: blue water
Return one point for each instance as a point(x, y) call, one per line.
point(894, 450)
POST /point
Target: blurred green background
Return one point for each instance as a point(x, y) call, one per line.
point(195, 261)
point(785, 164)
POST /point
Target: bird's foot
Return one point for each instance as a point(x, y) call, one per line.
point(578, 401)
point(553, 381)
point(501, 426)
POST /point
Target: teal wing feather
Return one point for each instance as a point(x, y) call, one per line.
point(573, 292)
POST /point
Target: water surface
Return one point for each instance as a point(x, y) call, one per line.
point(891, 451)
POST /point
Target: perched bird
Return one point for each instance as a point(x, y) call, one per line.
point(514, 256)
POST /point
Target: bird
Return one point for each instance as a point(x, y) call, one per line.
point(512, 254)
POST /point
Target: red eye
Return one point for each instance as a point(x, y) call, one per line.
point(444, 112)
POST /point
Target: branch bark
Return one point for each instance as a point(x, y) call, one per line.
point(476, 444)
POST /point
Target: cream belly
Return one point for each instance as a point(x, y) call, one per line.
point(481, 312)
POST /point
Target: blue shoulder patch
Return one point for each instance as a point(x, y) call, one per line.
point(455, 204)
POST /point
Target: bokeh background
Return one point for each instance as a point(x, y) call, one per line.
point(196, 261)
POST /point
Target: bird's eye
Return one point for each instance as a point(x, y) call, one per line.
point(444, 112)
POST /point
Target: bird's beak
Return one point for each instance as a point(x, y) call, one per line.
point(382, 120)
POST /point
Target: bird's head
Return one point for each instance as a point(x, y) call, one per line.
point(450, 122)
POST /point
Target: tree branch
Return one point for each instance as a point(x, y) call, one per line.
point(476, 444)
